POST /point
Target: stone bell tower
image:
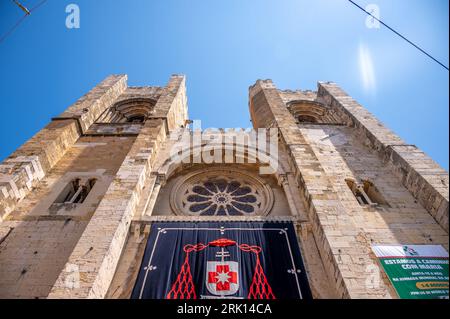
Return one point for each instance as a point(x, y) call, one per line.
point(81, 200)
point(361, 184)
point(67, 196)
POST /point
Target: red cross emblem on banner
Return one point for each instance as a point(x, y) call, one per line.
point(222, 277)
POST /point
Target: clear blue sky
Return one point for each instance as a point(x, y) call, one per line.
point(223, 47)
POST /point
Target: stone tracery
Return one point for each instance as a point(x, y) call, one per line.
point(221, 193)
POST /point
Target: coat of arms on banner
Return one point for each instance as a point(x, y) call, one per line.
point(222, 277)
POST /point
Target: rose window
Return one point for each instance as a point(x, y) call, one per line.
point(221, 194)
point(222, 197)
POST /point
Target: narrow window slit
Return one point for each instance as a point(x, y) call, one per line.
point(366, 193)
point(75, 192)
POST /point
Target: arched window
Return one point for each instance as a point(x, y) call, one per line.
point(221, 193)
point(135, 110)
point(306, 111)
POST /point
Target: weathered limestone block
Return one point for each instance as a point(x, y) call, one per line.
point(424, 178)
point(291, 96)
point(23, 169)
point(172, 104)
point(140, 92)
point(88, 108)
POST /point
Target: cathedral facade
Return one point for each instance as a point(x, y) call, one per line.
point(89, 205)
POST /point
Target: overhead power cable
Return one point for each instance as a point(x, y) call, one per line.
point(27, 13)
point(401, 36)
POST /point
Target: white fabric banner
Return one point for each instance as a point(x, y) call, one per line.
point(405, 251)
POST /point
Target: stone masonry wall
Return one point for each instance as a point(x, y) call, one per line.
point(89, 107)
point(36, 241)
point(424, 178)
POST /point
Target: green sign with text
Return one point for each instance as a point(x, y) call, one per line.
point(416, 271)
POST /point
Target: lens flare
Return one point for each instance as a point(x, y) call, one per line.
point(367, 69)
